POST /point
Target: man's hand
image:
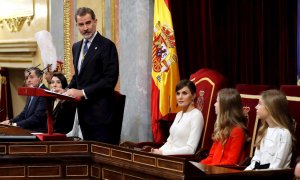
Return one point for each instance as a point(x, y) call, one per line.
point(75, 93)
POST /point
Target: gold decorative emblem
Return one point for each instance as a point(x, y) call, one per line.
point(163, 48)
point(59, 66)
point(14, 13)
point(16, 24)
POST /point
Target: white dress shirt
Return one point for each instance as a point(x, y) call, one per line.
point(275, 148)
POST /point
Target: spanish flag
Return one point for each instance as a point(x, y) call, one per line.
point(165, 73)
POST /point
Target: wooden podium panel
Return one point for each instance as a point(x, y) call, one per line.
point(94, 160)
point(29, 91)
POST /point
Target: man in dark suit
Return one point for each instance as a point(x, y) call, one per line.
point(33, 116)
point(95, 60)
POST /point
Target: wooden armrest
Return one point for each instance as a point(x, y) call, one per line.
point(189, 157)
point(237, 167)
point(144, 146)
point(152, 144)
point(129, 144)
point(246, 162)
point(200, 154)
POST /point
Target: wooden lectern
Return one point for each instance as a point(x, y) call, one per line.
point(29, 91)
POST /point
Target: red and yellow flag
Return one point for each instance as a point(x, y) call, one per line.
point(165, 73)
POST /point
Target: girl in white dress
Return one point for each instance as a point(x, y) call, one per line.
point(187, 127)
point(275, 138)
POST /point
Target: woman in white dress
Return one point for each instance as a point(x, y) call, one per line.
point(275, 139)
point(187, 127)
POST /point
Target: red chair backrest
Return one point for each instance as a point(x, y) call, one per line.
point(293, 95)
point(208, 82)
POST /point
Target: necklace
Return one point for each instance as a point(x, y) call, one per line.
point(180, 118)
point(184, 113)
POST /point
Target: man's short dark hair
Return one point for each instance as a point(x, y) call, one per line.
point(37, 71)
point(83, 11)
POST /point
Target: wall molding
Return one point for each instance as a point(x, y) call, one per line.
point(17, 54)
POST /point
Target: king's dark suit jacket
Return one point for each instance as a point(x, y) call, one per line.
point(98, 77)
point(34, 117)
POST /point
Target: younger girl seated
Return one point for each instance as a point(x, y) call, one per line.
point(275, 138)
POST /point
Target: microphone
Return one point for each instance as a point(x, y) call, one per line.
point(29, 69)
point(43, 70)
point(46, 68)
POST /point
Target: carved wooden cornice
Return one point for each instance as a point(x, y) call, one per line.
point(17, 53)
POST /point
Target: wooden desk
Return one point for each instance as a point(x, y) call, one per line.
point(50, 136)
point(94, 160)
point(10, 133)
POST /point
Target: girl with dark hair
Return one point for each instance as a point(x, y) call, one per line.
point(63, 111)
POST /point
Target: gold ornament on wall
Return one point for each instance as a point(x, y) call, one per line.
point(68, 8)
point(16, 24)
point(14, 16)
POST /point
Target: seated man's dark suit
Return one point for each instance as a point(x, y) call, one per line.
point(34, 114)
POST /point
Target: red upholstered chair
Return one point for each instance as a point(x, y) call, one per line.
point(293, 95)
point(208, 82)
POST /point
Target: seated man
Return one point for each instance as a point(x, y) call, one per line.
point(33, 116)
